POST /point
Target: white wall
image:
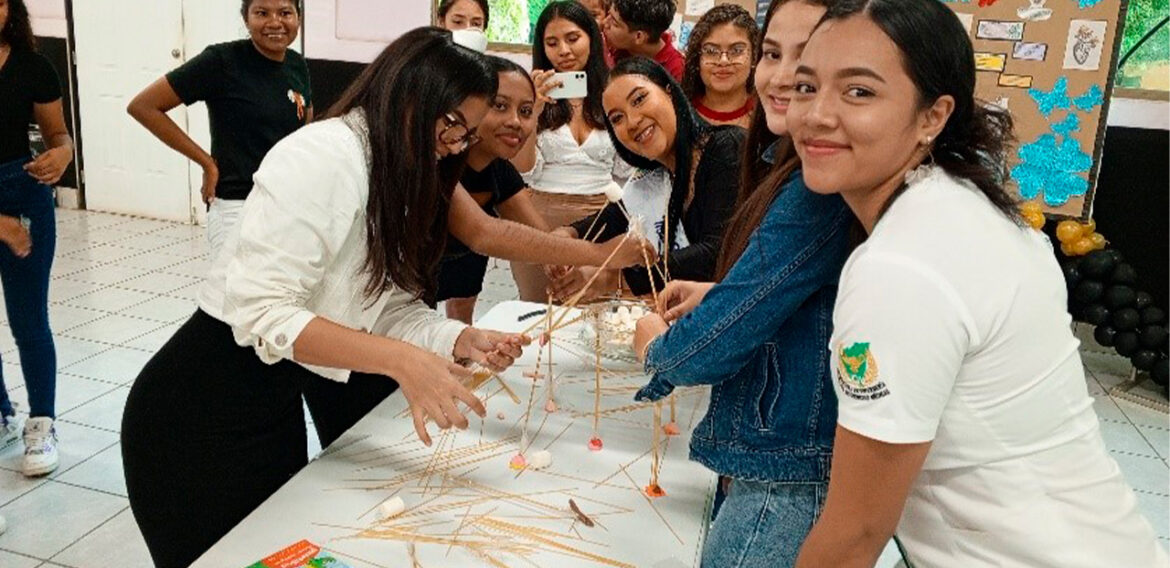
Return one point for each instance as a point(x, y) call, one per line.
point(48, 18)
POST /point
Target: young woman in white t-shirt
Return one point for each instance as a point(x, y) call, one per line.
point(964, 424)
point(571, 160)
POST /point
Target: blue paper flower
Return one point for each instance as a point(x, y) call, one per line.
point(1053, 168)
point(1070, 124)
point(1057, 98)
point(1087, 3)
point(1090, 99)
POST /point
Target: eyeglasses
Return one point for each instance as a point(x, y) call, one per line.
point(456, 132)
point(713, 54)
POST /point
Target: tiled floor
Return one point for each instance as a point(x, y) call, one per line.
point(121, 286)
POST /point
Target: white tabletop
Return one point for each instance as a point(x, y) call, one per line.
point(466, 507)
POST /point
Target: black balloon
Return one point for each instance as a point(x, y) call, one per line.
point(1119, 296)
point(1161, 372)
point(1088, 291)
point(1144, 360)
point(1153, 315)
point(1124, 274)
point(1126, 343)
point(1143, 299)
point(1125, 319)
point(1072, 272)
point(1105, 335)
point(1114, 255)
point(1154, 337)
point(1095, 314)
point(1097, 264)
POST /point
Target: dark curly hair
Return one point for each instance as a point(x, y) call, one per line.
point(559, 113)
point(17, 32)
point(692, 82)
point(975, 141)
point(651, 16)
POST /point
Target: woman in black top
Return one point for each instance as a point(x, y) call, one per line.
point(257, 92)
point(29, 92)
point(687, 180)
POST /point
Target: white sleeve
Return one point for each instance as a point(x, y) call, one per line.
point(622, 170)
point(899, 339)
point(406, 319)
point(302, 207)
point(532, 177)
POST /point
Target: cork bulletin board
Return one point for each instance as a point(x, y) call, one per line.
point(1051, 64)
point(690, 11)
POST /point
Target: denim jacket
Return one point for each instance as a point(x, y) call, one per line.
point(761, 337)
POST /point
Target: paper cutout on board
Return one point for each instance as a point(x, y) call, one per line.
point(990, 61)
point(1000, 103)
point(1054, 164)
point(1086, 41)
point(1034, 11)
point(684, 36)
point(699, 7)
point(1082, 4)
point(1000, 30)
point(1030, 51)
point(1056, 99)
point(1015, 81)
point(676, 26)
point(968, 21)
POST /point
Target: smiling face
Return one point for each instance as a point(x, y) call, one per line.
point(509, 120)
point(454, 133)
point(726, 59)
point(856, 118)
point(783, 42)
point(566, 45)
point(642, 116)
point(273, 25)
point(462, 15)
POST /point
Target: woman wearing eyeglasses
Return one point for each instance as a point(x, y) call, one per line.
point(339, 238)
point(718, 73)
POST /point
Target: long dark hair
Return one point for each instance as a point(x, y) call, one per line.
point(501, 65)
point(974, 143)
point(559, 113)
point(245, 5)
point(445, 6)
point(734, 14)
point(692, 133)
point(17, 32)
point(414, 82)
point(759, 180)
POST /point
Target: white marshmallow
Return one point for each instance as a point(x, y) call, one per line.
point(637, 313)
point(391, 508)
point(540, 459)
point(614, 192)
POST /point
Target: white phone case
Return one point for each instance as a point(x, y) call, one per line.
point(574, 86)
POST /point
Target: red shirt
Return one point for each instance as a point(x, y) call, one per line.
point(668, 57)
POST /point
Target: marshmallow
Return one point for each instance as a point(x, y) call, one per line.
point(540, 459)
point(614, 192)
point(390, 508)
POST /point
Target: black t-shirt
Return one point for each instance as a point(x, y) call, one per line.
point(496, 183)
point(26, 79)
point(253, 103)
point(714, 193)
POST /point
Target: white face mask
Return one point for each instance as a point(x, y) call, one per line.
point(471, 38)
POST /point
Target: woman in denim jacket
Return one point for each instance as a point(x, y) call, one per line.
point(759, 336)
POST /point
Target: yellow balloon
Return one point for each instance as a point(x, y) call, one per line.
point(1069, 231)
point(1098, 241)
point(1036, 220)
point(1030, 207)
point(1083, 246)
point(1067, 249)
point(1089, 226)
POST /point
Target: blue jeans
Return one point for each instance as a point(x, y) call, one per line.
point(26, 287)
point(762, 524)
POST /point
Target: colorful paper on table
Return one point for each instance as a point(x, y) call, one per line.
point(303, 554)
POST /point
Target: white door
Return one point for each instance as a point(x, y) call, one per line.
point(119, 52)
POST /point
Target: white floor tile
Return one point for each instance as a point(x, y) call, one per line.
point(113, 329)
point(116, 543)
point(44, 522)
point(1125, 437)
point(13, 484)
point(71, 392)
point(1159, 438)
point(102, 472)
point(1143, 416)
point(110, 299)
point(63, 317)
point(163, 309)
point(104, 412)
point(13, 376)
point(65, 289)
point(104, 253)
point(1155, 510)
point(65, 266)
point(13, 560)
point(71, 350)
point(1144, 473)
point(149, 261)
point(147, 241)
point(154, 340)
point(117, 365)
point(76, 444)
point(196, 268)
point(159, 283)
point(107, 275)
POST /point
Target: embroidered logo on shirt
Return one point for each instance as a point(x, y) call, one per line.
point(295, 97)
point(857, 372)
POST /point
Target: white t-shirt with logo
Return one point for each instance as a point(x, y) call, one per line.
point(951, 327)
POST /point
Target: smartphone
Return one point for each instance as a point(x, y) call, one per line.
point(573, 85)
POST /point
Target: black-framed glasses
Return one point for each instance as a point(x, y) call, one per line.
point(456, 132)
point(712, 54)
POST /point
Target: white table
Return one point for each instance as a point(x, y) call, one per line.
point(466, 507)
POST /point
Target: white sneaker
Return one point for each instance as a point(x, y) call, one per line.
point(40, 447)
point(9, 430)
